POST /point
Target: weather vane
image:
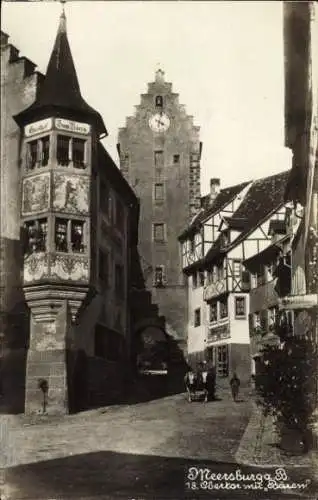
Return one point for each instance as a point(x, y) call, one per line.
point(62, 3)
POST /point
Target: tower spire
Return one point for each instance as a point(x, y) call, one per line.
point(60, 90)
point(62, 25)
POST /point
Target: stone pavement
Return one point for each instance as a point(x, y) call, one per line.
point(259, 447)
point(140, 451)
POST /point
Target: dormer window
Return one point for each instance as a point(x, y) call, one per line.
point(159, 101)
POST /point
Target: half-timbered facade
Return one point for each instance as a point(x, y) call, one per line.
point(218, 328)
point(196, 241)
point(270, 279)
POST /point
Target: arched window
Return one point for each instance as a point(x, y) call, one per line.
point(159, 101)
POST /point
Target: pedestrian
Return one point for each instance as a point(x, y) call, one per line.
point(235, 386)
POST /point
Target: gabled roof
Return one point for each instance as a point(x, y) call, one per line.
point(60, 92)
point(268, 254)
point(264, 197)
point(224, 197)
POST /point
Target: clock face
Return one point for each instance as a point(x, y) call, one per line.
point(159, 122)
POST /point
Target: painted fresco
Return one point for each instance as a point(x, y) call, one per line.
point(69, 267)
point(71, 193)
point(36, 194)
point(35, 267)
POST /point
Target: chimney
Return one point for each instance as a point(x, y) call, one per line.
point(214, 188)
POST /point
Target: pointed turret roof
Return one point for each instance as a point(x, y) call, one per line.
point(60, 92)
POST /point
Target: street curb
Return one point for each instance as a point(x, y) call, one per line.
point(258, 446)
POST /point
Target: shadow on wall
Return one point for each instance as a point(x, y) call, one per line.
point(95, 382)
point(13, 352)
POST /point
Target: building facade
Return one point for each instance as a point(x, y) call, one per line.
point(271, 278)
point(159, 150)
point(75, 226)
point(232, 229)
point(301, 135)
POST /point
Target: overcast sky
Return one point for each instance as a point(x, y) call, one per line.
point(225, 59)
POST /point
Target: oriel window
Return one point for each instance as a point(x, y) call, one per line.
point(63, 150)
point(61, 235)
point(45, 150)
point(78, 150)
point(77, 236)
point(32, 154)
point(36, 235)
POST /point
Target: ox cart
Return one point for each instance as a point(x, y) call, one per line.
point(200, 385)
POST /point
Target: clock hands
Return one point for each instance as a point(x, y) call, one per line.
point(160, 123)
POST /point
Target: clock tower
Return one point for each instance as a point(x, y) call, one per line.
point(160, 152)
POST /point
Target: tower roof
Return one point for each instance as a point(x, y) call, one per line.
point(60, 92)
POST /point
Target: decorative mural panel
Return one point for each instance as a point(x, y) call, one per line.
point(219, 333)
point(36, 194)
point(214, 289)
point(35, 267)
point(48, 340)
point(70, 267)
point(71, 193)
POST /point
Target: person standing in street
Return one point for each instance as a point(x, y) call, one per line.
point(235, 386)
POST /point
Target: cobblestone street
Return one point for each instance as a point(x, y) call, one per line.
point(138, 451)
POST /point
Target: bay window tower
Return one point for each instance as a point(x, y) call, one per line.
point(60, 132)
